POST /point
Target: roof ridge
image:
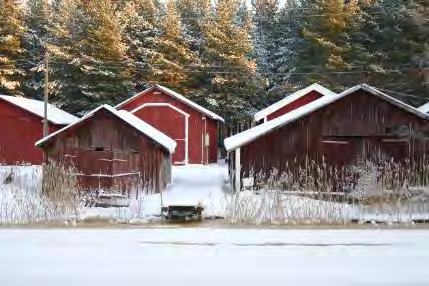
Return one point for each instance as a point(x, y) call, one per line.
point(149, 130)
point(291, 98)
point(178, 96)
point(251, 134)
point(36, 107)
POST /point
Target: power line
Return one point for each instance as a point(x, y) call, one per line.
point(232, 68)
point(402, 94)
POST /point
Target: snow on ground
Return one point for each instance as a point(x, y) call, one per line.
point(191, 185)
point(214, 257)
point(27, 177)
point(21, 200)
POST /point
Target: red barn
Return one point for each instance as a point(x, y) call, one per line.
point(194, 128)
point(21, 125)
point(112, 150)
point(333, 132)
point(292, 102)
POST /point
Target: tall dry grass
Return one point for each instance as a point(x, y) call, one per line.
point(33, 194)
point(367, 191)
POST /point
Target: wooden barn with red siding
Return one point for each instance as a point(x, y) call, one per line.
point(21, 125)
point(193, 127)
point(333, 130)
point(112, 150)
point(292, 102)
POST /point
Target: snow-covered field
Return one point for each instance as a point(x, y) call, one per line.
point(22, 202)
point(214, 257)
point(191, 185)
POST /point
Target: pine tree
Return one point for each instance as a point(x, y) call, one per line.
point(140, 20)
point(264, 23)
point(420, 20)
point(193, 14)
point(38, 38)
point(391, 48)
point(286, 44)
point(91, 64)
point(326, 45)
point(12, 52)
point(173, 60)
point(233, 82)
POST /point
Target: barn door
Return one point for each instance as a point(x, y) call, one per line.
point(171, 121)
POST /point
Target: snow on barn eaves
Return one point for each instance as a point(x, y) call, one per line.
point(249, 135)
point(55, 115)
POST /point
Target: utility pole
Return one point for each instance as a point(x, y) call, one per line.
point(46, 94)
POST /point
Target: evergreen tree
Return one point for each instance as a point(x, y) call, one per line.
point(263, 33)
point(139, 19)
point(12, 53)
point(171, 64)
point(326, 41)
point(227, 64)
point(91, 66)
point(193, 14)
point(286, 45)
point(38, 20)
point(391, 48)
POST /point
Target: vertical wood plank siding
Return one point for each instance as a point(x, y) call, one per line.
point(107, 153)
point(338, 134)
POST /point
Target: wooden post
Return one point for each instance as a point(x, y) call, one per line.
point(237, 170)
point(46, 94)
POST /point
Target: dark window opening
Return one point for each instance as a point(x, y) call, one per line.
point(99, 149)
point(390, 130)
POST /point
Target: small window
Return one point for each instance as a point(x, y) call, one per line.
point(99, 149)
point(389, 130)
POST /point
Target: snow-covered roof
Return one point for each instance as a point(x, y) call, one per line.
point(249, 135)
point(37, 107)
point(129, 118)
point(178, 97)
point(291, 98)
point(424, 108)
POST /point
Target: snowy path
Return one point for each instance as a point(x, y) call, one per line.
point(191, 185)
point(196, 183)
point(208, 257)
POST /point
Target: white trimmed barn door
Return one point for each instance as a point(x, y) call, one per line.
point(171, 121)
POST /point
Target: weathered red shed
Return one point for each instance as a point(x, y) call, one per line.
point(333, 130)
point(112, 150)
point(193, 127)
point(291, 102)
point(21, 125)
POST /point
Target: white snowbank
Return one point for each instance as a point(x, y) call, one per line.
point(213, 257)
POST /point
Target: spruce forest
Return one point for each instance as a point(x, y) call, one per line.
point(230, 56)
